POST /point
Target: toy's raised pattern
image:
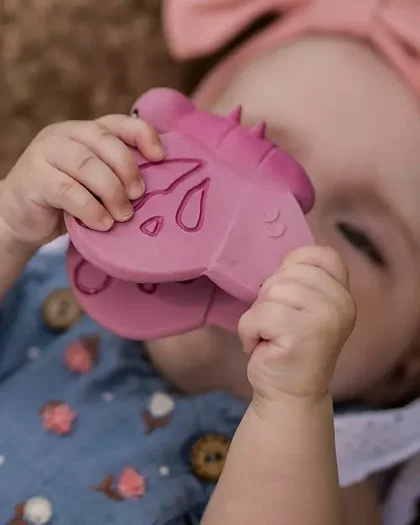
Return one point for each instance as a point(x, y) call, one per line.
point(147, 288)
point(220, 211)
point(153, 225)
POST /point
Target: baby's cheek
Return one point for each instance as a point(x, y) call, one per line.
point(357, 369)
point(374, 348)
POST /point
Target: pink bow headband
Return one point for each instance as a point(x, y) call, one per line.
point(200, 27)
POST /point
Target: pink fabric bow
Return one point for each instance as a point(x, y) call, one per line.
point(200, 27)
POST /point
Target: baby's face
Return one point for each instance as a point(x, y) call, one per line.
point(355, 127)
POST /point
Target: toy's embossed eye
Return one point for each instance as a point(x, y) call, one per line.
point(134, 113)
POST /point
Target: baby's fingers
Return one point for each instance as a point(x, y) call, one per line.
point(109, 148)
point(137, 133)
point(64, 193)
point(82, 164)
point(322, 257)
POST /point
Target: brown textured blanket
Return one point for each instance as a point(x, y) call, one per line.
point(66, 59)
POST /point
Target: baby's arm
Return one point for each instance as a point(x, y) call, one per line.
point(281, 468)
point(13, 255)
point(82, 167)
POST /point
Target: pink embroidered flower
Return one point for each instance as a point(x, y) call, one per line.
point(80, 356)
point(132, 485)
point(58, 417)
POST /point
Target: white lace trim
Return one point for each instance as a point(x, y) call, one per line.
point(400, 507)
point(370, 442)
point(57, 246)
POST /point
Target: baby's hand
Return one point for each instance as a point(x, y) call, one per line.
point(82, 167)
point(298, 325)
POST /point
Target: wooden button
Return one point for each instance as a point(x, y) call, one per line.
point(208, 456)
point(61, 310)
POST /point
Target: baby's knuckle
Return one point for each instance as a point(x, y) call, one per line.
point(331, 259)
point(101, 131)
point(34, 156)
point(67, 189)
point(244, 323)
point(272, 292)
point(87, 128)
point(47, 145)
point(42, 153)
point(84, 159)
point(49, 130)
point(114, 194)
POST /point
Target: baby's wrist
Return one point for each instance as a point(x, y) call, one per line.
point(11, 245)
point(9, 238)
point(274, 411)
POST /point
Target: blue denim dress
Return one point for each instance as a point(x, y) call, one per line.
point(81, 474)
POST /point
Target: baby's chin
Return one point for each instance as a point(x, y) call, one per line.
point(204, 360)
point(210, 359)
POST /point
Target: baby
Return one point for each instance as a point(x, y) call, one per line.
point(341, 108)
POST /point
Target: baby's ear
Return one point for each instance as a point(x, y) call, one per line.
point(163, 108)
point(401, 385)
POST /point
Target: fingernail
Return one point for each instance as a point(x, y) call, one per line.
point(159, 151)
point(108, 222)
point(136, 189)
point(126, 211)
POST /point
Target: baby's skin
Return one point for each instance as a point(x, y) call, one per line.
point(356, 132)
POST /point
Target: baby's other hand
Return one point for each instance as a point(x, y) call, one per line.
point(298, 325)
point(82, 167)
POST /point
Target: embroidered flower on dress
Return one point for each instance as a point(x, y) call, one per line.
point(108, 397)
point(107, 489)
point(161, 405)
point(80, 356)
point(37, 511)
point(33, 353)
point(132, 485)
point(164, 471)
point(58, 417)
point(18, 515)
point(159, 411)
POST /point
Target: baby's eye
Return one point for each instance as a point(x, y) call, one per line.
point(134, 113)
point(359, 240)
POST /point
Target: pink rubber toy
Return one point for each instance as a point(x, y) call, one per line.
point(222, 210)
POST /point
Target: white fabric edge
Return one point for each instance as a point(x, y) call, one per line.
point(59, 245)
point(354, 467)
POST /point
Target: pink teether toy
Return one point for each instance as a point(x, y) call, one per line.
point(222, 210)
